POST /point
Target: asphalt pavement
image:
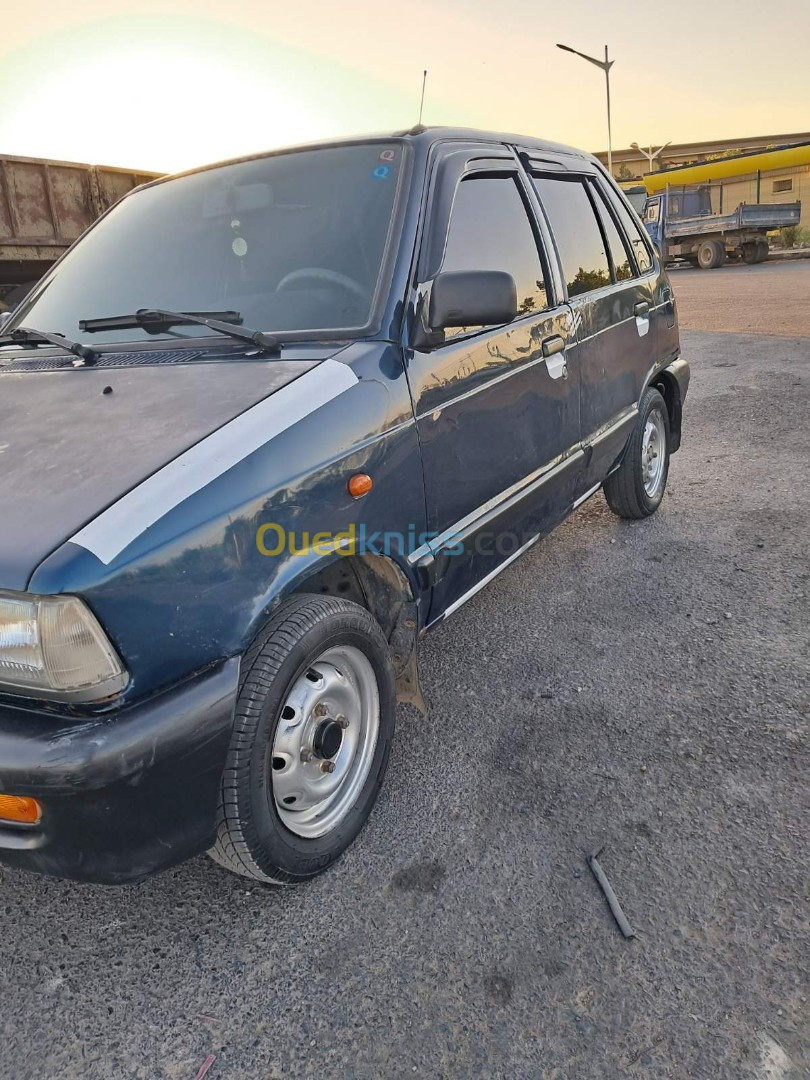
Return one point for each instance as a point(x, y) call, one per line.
point(642, 686)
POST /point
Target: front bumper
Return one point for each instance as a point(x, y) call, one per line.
point(123, 795)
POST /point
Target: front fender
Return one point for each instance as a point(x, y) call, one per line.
point(194, 586)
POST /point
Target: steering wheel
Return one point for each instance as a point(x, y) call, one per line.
point(320, 276)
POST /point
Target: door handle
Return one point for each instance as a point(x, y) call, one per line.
point(641, 308)
point(553, 345)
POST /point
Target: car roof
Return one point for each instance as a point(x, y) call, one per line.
point(431, 135)
point(423, 137)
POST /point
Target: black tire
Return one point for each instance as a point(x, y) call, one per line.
point(251, 838)
point(763, 251)
point(624, 489)
point(711, 254)
point(750, 253)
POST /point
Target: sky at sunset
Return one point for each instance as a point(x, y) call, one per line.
point(169, 84)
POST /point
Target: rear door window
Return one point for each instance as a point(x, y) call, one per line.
point(490, 230)
point(619, 252)
point(635, 231)
point(576, 231)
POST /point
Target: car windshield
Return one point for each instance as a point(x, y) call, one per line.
point(292, 242)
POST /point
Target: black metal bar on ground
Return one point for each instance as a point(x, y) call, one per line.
point(610, 895)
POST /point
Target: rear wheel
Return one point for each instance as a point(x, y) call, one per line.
point(636, 488)
point(762, 251)
point(312, 733)
point(750, 253)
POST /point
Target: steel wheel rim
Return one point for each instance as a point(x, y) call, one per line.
point(653, 453)
point(336, 698)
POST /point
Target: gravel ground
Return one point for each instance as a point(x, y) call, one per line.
point(768, 298)
point(642, 685)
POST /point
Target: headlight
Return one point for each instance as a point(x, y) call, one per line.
point(54, 647)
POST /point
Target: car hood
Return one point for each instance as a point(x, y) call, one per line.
point(74, 440)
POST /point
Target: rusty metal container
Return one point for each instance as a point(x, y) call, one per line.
point(46, 205)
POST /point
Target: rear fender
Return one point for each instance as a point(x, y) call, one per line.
point(673, 382)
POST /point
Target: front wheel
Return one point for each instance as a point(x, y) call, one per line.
point(312, 733)
point(636, 488)
point(711, 254)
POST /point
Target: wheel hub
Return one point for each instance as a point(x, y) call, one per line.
point(324, 742)
point(327, 739)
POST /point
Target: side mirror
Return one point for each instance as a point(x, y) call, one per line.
point(5, 318)
point(472, 298)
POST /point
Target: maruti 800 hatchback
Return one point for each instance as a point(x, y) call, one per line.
point(264, 425)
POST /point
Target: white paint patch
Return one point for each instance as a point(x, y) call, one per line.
point(774, 1062)
point(115, 529)
point(642, 325)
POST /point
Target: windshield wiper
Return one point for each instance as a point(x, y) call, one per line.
point(221, 322)
point(25, 335)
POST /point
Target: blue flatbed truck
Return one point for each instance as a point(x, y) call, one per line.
point(682, 225)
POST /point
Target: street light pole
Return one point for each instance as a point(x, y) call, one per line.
point(651, 156)
point(605, 65)
point(608, 65)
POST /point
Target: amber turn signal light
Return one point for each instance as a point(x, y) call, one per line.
point(360, 484)
point(19, 808)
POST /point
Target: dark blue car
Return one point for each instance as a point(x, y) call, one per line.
point(264, 425)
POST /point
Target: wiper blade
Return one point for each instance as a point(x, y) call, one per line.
point(25, 335)
point(147, 316)
point(221, 322)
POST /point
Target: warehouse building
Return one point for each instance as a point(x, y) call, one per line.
point(743, 173)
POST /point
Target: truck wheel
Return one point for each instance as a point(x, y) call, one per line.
point(762, 251)
point(312, 732)
point(636, 488)
point(750, 253)
point(710, 254)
